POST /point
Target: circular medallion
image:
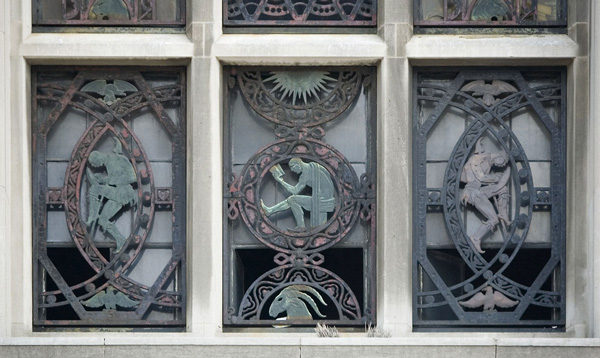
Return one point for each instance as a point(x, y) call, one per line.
point(106, 176)
point(297, 195)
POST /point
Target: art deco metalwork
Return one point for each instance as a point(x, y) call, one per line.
point(483, 186)
point(109, 12)
point(489, 300)
point(300, 12)
point(109, 196)
point(296, 208)
point(293, 299)
point(495, 13)
point(318, 204)
point(489, 198)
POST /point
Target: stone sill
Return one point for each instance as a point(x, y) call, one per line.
point(106, 46)
point(486, 50)
point(180, 347)
point(297, 49)
point(167, 340)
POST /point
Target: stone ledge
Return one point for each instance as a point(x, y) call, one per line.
point(548, 342)
point(170, 339)
point(474, 50)
point(51, 341)
point(166, 346)
point(297, 49)
point(106, 46)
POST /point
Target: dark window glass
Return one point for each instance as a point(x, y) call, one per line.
point(299, 196)
point(489, 198)
point(109, 196)
point(300, 13)
point(109, 12)
point(490, 13)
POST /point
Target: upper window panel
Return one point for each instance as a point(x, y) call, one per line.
point(109, 12)
point(326, 13)
point(490, 13)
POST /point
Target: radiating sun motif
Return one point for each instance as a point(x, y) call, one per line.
point(299, 84)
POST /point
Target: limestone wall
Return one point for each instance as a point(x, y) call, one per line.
point(204, 49)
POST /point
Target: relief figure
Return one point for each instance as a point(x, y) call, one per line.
point(484, 185)
point(109, 193)
point(319, 203)
point(293, 300)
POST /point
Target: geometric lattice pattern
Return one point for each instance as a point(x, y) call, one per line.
point(300, 13)
point(489, 198)
point(109, 202)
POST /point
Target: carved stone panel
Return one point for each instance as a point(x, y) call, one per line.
point(109, 196)
point(489, 198)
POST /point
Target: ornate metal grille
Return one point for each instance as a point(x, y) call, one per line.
point(109, 196)
point(300, 221)
point(495, 13)
point(109, 12)
point(489, 198)
point(300, 12)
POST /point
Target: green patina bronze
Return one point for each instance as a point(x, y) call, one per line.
point(110, 299)
point(490, 10)
point(109, 193)
point(292, 300)
point(319, 203)
point(300, 84)
point(110, 91)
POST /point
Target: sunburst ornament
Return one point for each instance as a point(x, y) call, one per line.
point(299, 84)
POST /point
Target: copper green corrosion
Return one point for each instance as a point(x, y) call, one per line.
point(321, 201)
point(109, 193)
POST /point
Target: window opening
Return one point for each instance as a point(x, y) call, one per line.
point(300, 197)
point(109, 202)
point(489, 199)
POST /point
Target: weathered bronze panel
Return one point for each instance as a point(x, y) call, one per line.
point(300, 213)
point(109, 12)
point(109, 242)
point(489, 198)
point(305, 13)
point(490, 13)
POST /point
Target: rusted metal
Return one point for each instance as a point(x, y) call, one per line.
point(108, 13)
point(316, 181)
point(489, 239)
point(490, 13)
point(300, 13)
point(108, 177)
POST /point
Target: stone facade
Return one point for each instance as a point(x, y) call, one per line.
point(204, 49)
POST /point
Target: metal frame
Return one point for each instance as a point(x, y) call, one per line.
point(108, 112)
point(300, 130)
point(303, 13)
point(486, 115)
